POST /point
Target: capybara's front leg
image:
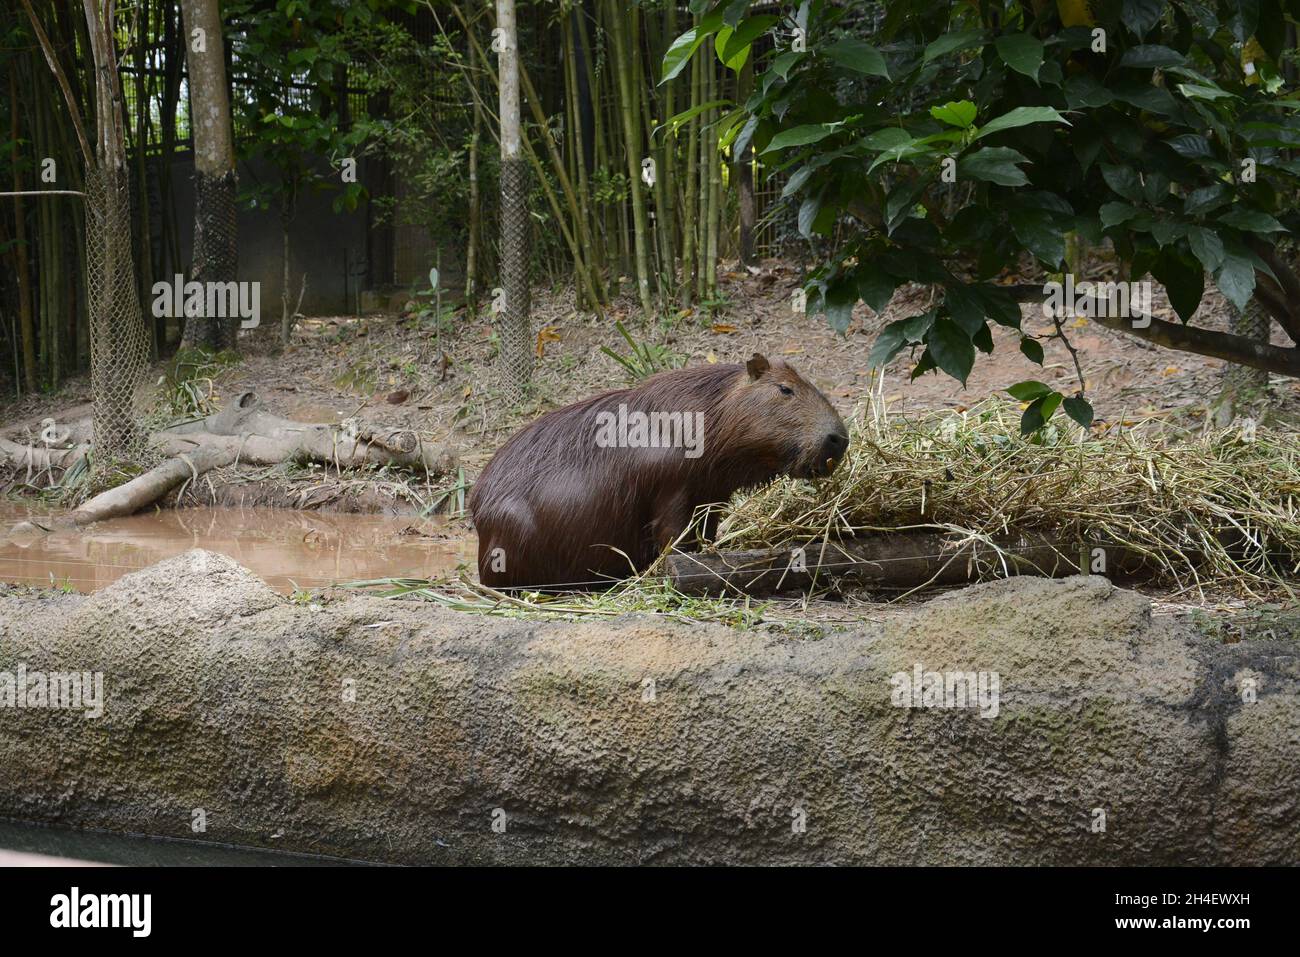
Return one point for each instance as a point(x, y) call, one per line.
point(671, 516)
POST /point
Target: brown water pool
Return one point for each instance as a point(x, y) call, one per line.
point(289, 549)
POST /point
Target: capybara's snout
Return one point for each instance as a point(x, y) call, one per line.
point(833, 449)
point(830, 453)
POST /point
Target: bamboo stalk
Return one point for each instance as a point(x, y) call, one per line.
point(623, 66)
point(689, 206)
point(27, 333)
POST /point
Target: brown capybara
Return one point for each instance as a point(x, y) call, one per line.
point(591, 492)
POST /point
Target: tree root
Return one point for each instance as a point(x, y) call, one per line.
point(242, 432)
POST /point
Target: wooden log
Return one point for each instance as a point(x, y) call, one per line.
point(247, 416)
point(891, 561)
point(324, 444)
point(41, 458)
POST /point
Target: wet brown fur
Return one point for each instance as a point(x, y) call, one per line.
point(562, 508)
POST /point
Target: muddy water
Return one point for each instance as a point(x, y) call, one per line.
point(289, 549)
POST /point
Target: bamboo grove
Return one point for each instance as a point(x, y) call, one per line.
point(42, 238)
point(635, 188)
point(634, 169)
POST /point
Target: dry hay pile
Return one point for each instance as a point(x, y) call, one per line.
point(1221, 508)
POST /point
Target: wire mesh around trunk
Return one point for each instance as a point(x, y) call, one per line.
point(119, 347)
point(513, 323)
point(216, 256)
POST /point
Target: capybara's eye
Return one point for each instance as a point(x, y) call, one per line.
point(786, 390)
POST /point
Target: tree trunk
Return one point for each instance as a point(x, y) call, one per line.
point(286, 318)
point(743, 172)
point(216, 253)
point(472, 264)
point(1244, 389)
point(118, 343)
point(515, 324)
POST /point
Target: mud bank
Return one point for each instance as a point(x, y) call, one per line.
point(397, 732)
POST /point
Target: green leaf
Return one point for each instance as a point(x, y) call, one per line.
point(839, 302)
point(916, 327)
point(891, 137)
point(1029, 390)
point(999, 305)
point(784, 63)
point(994, 164)
point(951, 349)
point(1021, 116)
point(1183, 279)
point(1203, 91)
point(1251, 221)
point(746, 135)
point(1191, 146)
point(965, 307)
point(1206, 246)
point(796, 181)
point(950, 42)
point(1124, 180)
point(888, 344)
point(738, 58)
point(1112, 214)
point(1236, 278)
point(876, 287)
point(683, 48)
point(742, 38)
point(900, 202)
point(1022, 52)
point(1039, 411)
point(858, 56)
point(679, 120)
point(1032, 349)
point(808, 211)
point(960, 113)
point(1079, 409)
point(1151, 56)
point(1206, 198)
point(801, 136)
point(1082, 91)
point(1141, 15)
point(1041, 232)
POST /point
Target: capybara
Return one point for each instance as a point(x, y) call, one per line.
point(591, 492)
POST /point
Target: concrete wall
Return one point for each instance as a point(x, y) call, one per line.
point(398, 731)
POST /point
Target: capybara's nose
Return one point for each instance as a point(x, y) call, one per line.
point(836, 444)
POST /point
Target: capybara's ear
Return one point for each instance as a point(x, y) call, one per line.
point(757, 365)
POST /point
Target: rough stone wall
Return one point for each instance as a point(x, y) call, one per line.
point(221, 695)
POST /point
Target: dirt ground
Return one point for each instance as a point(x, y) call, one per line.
point(401, 370)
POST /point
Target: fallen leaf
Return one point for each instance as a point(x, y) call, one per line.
point(544, 335)
point(724, 327)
